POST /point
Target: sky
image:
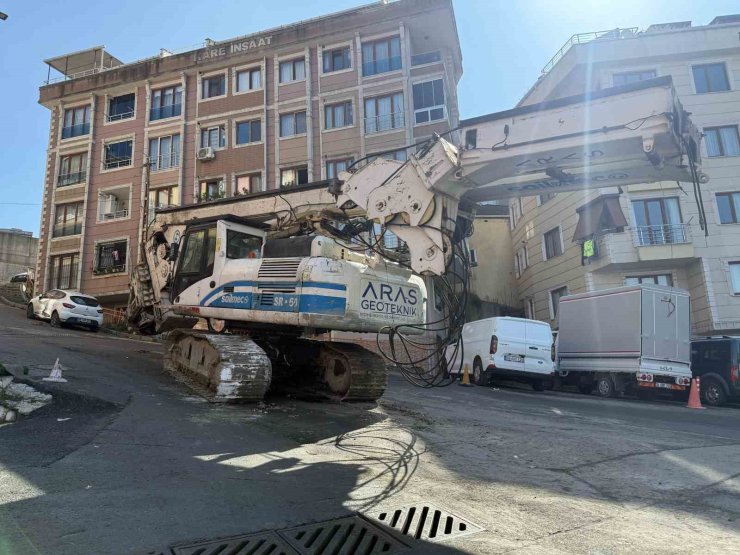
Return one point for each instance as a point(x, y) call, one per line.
point(505, 44)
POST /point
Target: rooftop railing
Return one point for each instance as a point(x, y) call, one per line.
point(583, 38)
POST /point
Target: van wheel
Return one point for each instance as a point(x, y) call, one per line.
point(605, 386)
point(538, 385)
point(478, 373)
point(712, 392)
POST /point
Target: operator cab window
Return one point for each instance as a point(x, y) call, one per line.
point(196, 261)
point(242, 245)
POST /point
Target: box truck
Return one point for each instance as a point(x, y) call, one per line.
point(628, 338)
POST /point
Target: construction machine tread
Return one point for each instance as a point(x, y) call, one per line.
point(368, 375)
point(223, 368)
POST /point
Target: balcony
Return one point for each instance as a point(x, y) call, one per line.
point(669, 234)
point(75, 130)
point(164, 162)
point(164, 112)
point(386, 122)
point(644, 244)
point(117, 215)
point(383, 65)
point(426, 58)
point(67, 229)
point(67, 179)
point(119, 117)
point(112, 162)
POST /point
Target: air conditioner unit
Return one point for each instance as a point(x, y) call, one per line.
point(206, 153)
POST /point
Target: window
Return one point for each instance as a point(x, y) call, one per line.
point(337, 59)
point(110, 257)
point(338, 115)
point(473, 257)
point(543, 199)
point(722, 141)
point(72, 169)
point(426, 58)
point(248, 132)
point(471, 139)
point(711, 78)
point(293, 124)
point(399, 155)
point(515, 212)
point(68, 219)
point(166, 103)
point(658, 222)
point(113, 203)
point(734, 268)
point(521, 261)
point(729, 208)
point(249, 183)
point(293, 70)
point(381, 56)
point(248, 80)
point(164, 152)
point(63, 271)
point(211, 189)
point(335, 167)
point(163, 197)
point(555, 296)
point(242, 245)
point(118, 154)
point(529, 307)
point(657, 279)
point(383, 113)
point(212, 87)
point(553, 245)
point(429, 101)
point(215, 137)
point(121, 107)
point(632, 77)
point(294, 176)
point(76, 122)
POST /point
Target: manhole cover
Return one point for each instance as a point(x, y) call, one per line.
point(265, 543)
point(426, 522)
point(345, 536)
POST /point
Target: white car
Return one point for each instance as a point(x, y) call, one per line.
point(66, 307)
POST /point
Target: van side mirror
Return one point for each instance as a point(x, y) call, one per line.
point(174, 250)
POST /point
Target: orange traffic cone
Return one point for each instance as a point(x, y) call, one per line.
point(465, 377)
point(694, 397)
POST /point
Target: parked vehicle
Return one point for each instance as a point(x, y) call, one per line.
point(716, 360)
point(61, 307)
point(635, 337)
point(504, 347)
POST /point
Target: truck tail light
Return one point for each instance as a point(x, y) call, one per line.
point(735, 374)
point(67, 305)
point(552, 352)
point(494, 344)
point(683, 381)
point(645, 377)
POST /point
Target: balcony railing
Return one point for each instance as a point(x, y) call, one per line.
point(164, 161)
point(386, 122)
point(118, 214)
point(582, 38)
point(166, 111)
point(116, 162)
point(112, 269)
point(426, 58)
point(66, 229)
point(383, 65)
point(66, 179)
point(119, 117)
point(75, 130)
point(669, 234)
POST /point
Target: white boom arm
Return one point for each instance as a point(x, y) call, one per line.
point(614, 137)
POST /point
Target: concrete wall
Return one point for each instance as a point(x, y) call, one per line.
point(17, 253)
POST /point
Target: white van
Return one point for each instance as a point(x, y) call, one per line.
point(503, 347)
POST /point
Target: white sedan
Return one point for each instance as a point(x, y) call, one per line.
point(66, 307)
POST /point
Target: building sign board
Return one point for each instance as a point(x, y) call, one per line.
point(235, 47)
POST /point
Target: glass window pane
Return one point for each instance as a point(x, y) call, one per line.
point(256, 79)
point(241, 245)
point(717, 77)
point(725, 209)
point(286, 125)
point(242, 132)
point(327, 62)
point(242, 81)
point(711, 138)
point(286, 72)
point(655, 214)
point(700, 79)
point(300, 122)
point(256, 131)
point(672, 211)
point(735, 276)
point(730, 140)
point(300, 69)
point(736, 204)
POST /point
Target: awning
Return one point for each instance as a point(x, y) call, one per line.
point(83, 61)
point(602, 213)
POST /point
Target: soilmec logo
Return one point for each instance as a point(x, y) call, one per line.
point(389, 300)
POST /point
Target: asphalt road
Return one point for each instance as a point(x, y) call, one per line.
point(126, 460)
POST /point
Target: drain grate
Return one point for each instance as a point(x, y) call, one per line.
point(345, 536)
point(265, 543)
point(427, 523)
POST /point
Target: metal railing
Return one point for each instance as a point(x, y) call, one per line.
point(164, 162)
point(75, 130)
point(118, 117)
point(77, 75)
point(583, 38)
point(116, 162)
point(166, 111)
point(383, 65)
point(66, 179)
point(385, 122)
point(426, 58)
point(118, 214)
point(669, 234)
point(66, 229)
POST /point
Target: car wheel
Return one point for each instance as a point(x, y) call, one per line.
point(29, 312)
point(477, 373)
point(538, 385)
point(586, 388)
point(55, 321)
point(605, 386)
point(712, 392)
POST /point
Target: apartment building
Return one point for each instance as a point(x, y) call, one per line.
point(275, 109)
point(648, 233)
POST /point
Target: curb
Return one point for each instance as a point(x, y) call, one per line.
point(133, 336)
point(12, 304)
